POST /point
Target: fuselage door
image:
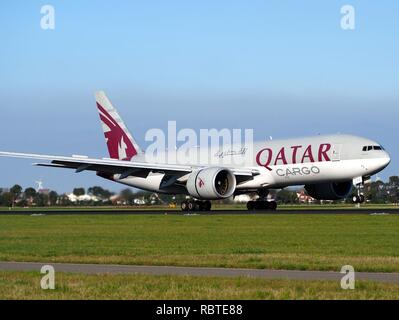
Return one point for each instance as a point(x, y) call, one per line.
point(336, 152)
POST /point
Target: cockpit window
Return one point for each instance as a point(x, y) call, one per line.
point(369, 148)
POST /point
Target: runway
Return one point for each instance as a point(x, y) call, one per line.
point(118, 211)
point(191, 271)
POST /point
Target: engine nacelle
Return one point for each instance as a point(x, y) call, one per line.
point(329, 191)
point(211, 184)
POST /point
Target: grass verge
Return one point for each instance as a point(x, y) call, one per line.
point(26, 285)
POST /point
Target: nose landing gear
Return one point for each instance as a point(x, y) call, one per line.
point(359, 197)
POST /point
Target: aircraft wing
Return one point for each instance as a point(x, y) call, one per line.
point(112, 166)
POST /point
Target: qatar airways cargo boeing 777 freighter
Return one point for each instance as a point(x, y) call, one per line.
point(329, 166)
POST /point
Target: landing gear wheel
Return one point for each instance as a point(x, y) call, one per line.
point(273, 205)
point(359, 198)
point(199, 205)
point(251, 205)
point(191, 206)
point(184, 206)
point(262, 205)
point(206, 206)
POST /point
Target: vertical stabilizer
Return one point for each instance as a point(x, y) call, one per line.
point(121, 144)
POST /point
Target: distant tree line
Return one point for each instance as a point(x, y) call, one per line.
point(376, 192)
point(380, 192)
point(16, 196)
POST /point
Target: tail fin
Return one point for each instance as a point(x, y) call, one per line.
point(121, 144)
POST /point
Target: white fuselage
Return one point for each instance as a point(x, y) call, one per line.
point(283, 163)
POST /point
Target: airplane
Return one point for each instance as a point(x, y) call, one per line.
point(329, 166)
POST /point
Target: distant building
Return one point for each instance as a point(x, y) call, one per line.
point(139, 202)
point(304, 198)
point(242, 198)
point(116, 199)
point(73, 198)
point(44, 191)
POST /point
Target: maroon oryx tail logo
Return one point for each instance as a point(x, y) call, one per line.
point(201, 183)
point(119, 143)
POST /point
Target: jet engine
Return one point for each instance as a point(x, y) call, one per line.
point(211, 184)
point(329, 191)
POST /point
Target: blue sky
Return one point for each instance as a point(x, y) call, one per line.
point(284, 68)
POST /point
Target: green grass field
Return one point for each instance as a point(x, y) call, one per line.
point(305, 242)
point(26, 285)
point(300, 241)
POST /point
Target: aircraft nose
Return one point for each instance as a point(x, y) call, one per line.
point(380, 162)
point(386, 160)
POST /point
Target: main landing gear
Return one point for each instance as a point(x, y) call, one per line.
point(195, 205)
point(262, 203)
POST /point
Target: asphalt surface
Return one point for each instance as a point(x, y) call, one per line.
point(215, 212)
point(190, 271)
